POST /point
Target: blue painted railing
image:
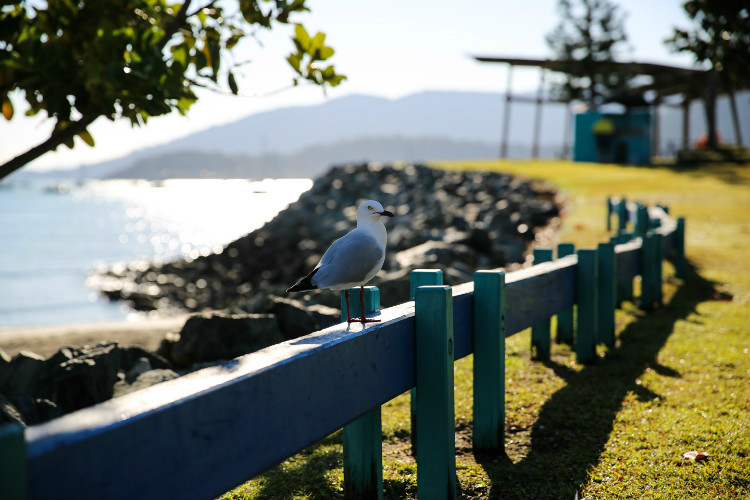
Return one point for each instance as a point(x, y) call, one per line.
point(202, 434)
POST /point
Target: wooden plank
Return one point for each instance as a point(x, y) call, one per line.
point(628, 258)
point(586, 297)
point(540, 332)
point(436, 456)
point(362, 439)
point(536, 293)
point(489, 361)
point(565, 318)
point(246, 415)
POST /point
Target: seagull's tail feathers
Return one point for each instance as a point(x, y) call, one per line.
point(305, 284)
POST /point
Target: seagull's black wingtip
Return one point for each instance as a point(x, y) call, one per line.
point(305, 284)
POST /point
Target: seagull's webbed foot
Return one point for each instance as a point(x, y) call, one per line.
point(364, 320)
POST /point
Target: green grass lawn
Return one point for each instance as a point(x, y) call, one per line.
point(678, 378)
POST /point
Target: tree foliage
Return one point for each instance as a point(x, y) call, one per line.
point(78, 60)
point(719, 38)
point(587, 39)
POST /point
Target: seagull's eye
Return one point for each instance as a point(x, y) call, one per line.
point(369, 207)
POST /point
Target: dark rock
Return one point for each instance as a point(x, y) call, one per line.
point(141, 366)
point(34, 410)
point(21, 375)
point(436, 254)
point(214, 337)
point(143, 380)
point(9, 414)
point(129, 356)
point(85, 379)
point(296, 320)
point(325, 316)
point(166, 345)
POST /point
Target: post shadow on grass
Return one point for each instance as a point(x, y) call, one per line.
point(309, 475)
point(574, 425)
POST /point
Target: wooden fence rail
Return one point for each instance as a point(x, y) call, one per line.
point(202, 434)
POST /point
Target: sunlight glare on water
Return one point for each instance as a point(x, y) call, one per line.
point(51, 237)
point(189, 217)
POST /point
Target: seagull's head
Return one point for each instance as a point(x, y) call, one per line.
point(372, 210)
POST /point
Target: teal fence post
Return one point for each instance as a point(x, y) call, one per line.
point(607, 294)
point(540, 333)
point(622, 215)
point(565, 318)
point(13, 473)
point(642, 222)
point(436, 456)
point(489, 361)
point(680, 262)
point(610, 206)
point(586, 295)
point(420, 277)
point(658, 274)
point(648, 272)
point(363, 442)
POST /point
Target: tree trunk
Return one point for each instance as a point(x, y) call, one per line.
point(55, 140)
point(735, 116)
point(710, 105)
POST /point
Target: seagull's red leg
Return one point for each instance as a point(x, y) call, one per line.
point(362, 301)
point(348, 316)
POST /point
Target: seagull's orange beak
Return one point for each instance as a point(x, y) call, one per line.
point(386, 213)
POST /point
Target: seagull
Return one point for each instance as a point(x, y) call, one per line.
point(353, 259)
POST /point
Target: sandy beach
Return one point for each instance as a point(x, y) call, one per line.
point(46, 340)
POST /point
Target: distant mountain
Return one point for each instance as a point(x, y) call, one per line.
point(428, 125)
point(308, 162)
point(356, 121)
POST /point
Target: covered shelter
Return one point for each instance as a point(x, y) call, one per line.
point(652, 86)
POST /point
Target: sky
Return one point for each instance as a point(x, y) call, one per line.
point(388, 48)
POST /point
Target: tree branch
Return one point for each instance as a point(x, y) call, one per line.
point(55, 140)
point(174, 25)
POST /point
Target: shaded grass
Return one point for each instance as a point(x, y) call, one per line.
point(678, 379)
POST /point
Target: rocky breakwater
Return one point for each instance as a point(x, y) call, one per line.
point(458, 221)
point(452, 220)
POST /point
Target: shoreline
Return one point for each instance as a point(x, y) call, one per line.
point(46, 340)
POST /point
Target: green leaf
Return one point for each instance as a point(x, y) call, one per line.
point(302, 37)
point(232, 41)
point(294, 62)
point(86, 136)
point(317, 42)
point(232, 83)
point(326, 52)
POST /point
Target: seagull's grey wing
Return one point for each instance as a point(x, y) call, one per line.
point(348, 260)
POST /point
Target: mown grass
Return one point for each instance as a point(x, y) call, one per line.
point(677, 380)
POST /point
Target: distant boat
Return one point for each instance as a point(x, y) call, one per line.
point(57, 189)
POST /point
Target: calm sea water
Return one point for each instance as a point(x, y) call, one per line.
point(48, 239)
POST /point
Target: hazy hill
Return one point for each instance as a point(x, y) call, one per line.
point(308, 162)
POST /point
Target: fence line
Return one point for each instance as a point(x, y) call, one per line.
point(202, 434)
